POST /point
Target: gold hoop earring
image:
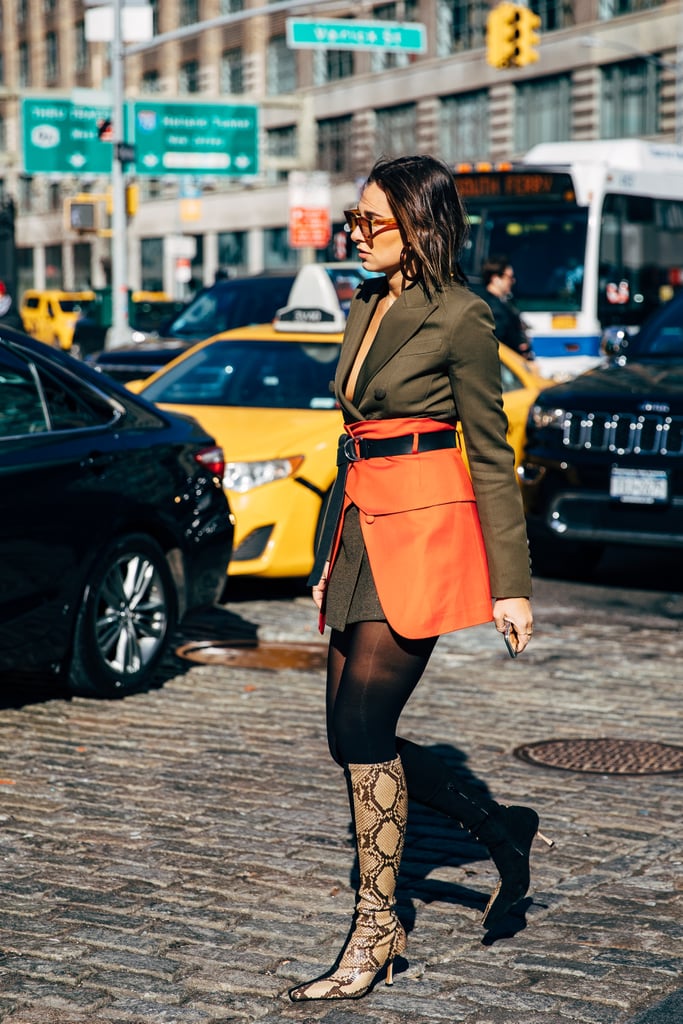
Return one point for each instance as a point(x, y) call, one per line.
point(407, 263)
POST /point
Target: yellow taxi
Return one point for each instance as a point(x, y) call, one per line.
point(51, 315)
point(265, 394)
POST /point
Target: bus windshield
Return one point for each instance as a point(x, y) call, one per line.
point(544, 245)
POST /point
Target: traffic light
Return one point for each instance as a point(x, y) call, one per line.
point(81, 214)
point(527, 37)
point(512, 36)
point(501, 35)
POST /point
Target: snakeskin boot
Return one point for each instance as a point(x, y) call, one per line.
point(380, 807)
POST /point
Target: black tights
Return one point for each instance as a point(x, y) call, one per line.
point(371, 673)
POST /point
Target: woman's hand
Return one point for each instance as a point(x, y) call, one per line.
point(517, 611)
point(318, 592)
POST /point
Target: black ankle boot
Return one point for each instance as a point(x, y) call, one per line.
point(507, 832)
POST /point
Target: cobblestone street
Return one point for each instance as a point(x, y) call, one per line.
point(184, 855)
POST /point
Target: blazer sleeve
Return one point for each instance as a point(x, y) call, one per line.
point(474, 372)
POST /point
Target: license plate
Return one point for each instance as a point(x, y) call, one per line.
point(640, 486)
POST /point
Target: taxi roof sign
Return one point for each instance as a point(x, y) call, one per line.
point(320, 297)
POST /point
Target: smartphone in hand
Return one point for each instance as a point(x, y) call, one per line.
point(511, 639)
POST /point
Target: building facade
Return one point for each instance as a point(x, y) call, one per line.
point(606, 69)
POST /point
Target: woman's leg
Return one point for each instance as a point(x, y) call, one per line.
point(371, 674)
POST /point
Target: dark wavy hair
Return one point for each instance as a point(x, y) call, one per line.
point(423, 197)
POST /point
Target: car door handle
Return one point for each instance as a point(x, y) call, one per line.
point(97, 461)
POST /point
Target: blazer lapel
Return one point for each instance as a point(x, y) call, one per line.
point(398, 326)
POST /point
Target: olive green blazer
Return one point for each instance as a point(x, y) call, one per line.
point(437, 356)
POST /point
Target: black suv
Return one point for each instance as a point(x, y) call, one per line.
point(235, 302)
point(604, 460)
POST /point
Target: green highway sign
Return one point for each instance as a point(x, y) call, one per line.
point(60, 137)
point(195, 138)
point(348, 34)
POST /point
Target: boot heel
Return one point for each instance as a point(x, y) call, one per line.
point(390, 973)
point(548, 842)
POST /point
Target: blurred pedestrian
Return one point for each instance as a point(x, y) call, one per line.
point(409, 546)
point(499, 278)
point(9, 314)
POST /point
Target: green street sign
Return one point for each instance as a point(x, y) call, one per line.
point(60, 137)
point(348, 34)
point(195, 138)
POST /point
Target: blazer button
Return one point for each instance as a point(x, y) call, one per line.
point(380, 394)
point(369, 519)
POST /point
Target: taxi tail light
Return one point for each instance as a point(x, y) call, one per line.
point(211, 459)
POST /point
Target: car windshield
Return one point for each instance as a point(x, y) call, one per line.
point(231, 304)
point(544, 246)
point(661, 337)
point(252, 374)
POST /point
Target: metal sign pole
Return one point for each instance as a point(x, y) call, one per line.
point(119, 270)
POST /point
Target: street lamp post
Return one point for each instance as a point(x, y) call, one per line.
point(119, 260)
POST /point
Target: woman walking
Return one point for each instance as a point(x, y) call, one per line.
point(415, 547)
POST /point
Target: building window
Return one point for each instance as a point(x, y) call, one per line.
point(24, 65)
point(464, 127)
point(81, 47)
point(2, 69)
point(542, 111)
point(150, 82)
point(283, 143)
point(51, 57)
point(232, 71)
point(629, 99)
point(54, 196)
point(281, 70)
point(396, 129)
point(331, 65)
point(334, 145)
point(389, 12)
point(53, 266)
point(554, 14)
point(3, 133)
point(22, 12)
point(460, 25)
point(152, 264)
point(276, 250)
point(232, 252)
point(231, 6)
point(188, 77)
point(189, 12)
point(613, 8)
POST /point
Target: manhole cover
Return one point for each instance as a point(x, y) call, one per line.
point(604, 756)
point(270, 656)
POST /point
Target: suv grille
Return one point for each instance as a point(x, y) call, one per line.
point(623, 433)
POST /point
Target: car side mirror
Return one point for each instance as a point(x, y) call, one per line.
point(615, 342)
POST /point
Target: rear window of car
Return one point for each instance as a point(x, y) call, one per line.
point(252, 374)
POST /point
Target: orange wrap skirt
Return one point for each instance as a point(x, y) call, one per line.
point(421, 532)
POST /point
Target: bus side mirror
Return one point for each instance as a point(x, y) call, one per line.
point(614, 343)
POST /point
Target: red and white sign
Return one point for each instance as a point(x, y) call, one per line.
point(310, 224)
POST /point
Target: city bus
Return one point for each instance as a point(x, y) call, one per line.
point(594, 233)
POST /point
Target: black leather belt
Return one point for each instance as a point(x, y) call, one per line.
point(355, 449)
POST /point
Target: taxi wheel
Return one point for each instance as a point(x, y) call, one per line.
point(126, 621)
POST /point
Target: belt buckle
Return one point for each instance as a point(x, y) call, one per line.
point(350, 453)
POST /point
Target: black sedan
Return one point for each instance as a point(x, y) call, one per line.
point(113, 522)
point(604, 456)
